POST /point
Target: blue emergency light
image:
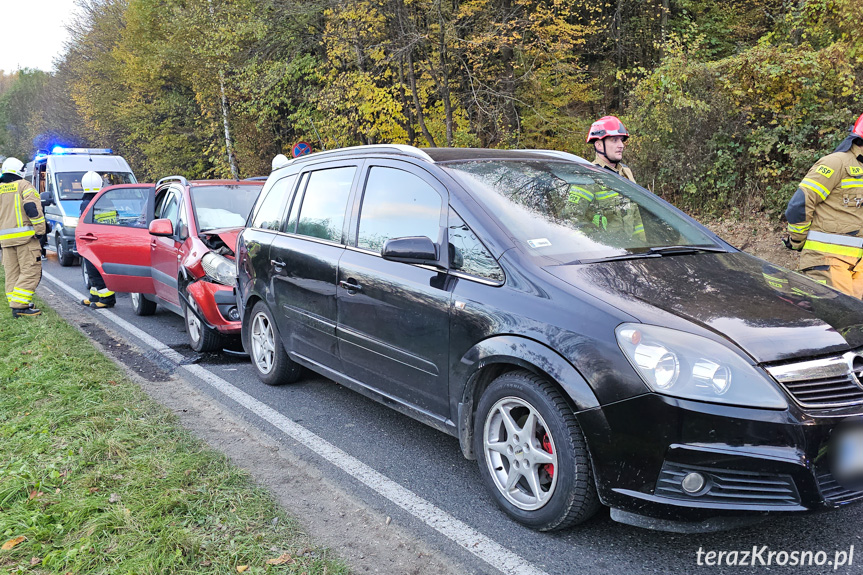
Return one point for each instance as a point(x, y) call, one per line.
point(60, 150)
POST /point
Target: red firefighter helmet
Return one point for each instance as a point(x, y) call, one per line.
point(605, 127)
point(857, 130)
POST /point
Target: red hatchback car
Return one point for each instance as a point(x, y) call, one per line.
point(172, 244)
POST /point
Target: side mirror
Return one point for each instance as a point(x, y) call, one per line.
point(47, 199)
point(411, 250)
point(162, 227)
point(456, 258)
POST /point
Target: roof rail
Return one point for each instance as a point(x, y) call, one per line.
point(559, 154)
point(180, 179)
point(401, 148)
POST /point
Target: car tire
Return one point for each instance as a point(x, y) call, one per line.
point(141, 305)
point(544, 480)
point(65, 258)
point(85, 276)
point(269, 358)
point(201, 337)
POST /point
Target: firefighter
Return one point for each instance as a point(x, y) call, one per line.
point(22, 224)
point(609, 212)
point(825, 217)
point(609, 136)
point(100, 296)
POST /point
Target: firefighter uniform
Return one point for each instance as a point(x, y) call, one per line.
point(825, 219)
point(619, 168)
point(21, 223)
point(100, 296)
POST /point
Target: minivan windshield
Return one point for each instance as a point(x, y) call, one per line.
point(69, 183)
point(570, 212)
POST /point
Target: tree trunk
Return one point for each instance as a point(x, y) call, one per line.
point(445, 92)
point(232, 160)
point(417, 104)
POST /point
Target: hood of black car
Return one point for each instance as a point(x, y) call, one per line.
point(770, 312)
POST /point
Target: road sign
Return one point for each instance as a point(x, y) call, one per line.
point(301, 149)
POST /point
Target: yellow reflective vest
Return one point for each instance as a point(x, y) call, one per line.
point(16, 227)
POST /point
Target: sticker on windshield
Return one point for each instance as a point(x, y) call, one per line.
point(539, 243)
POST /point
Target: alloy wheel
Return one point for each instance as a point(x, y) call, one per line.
point(520, 453)
point(263, 343)
point(193, 324)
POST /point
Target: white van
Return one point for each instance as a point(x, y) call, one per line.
point(58, 175)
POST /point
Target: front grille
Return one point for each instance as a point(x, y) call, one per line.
point(729, 486)
point(823, 383)
point(832, 492)
point(826, 392)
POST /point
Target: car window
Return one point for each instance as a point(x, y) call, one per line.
point(122, 207)
point(270, 214)
point(397, 204)
point(295, 205)
point(467, 254)
point(162, 202)
point(322, 213)
point(171, 207)
point(70, 188)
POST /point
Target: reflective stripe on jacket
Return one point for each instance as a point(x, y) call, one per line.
point(829, 201)
point(16, 227)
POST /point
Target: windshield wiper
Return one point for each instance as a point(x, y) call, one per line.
point(673, 250)
point(656, 252)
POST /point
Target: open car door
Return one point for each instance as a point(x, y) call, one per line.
point(113, 235)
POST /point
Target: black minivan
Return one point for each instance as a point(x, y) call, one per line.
point(587, 342)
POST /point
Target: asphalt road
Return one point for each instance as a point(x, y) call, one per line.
point(430, 464)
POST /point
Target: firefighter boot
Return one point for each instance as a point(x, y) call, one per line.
point(105, 298)
point(26, 312)
point(93, 298)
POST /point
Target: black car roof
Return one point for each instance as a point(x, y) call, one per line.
point(435, 155)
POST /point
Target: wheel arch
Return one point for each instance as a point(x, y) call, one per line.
point(492, 357)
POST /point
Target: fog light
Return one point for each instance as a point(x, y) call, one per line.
point(233, 314)
point(693, 483)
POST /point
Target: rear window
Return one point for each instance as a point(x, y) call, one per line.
point(322, 212)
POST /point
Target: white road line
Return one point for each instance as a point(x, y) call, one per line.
point(472, 540)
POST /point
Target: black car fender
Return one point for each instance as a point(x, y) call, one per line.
point(493, 356)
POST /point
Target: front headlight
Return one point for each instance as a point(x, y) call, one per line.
point(689, 366)
point(220, 269)
point(70, 222)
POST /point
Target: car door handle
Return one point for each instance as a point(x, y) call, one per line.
point(277, 263)
point(88, 237)
point(351, 286)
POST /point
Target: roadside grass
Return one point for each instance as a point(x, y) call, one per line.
point(95, 477)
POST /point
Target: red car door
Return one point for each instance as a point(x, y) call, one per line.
point(112, 235)
point(166, 251)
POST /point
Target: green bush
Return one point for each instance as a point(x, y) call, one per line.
point(740, 132)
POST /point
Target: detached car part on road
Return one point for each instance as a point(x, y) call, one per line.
point(586, 341)
point(172, 244)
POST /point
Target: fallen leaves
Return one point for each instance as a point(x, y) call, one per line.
point(12, 543)
point(242, 568)
point(35, 495)
point(281, 559)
